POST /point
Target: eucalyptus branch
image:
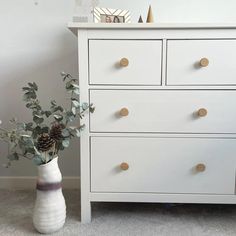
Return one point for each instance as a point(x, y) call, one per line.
point(22, 155)
point(81, 114)
point(71, 105)
point(4, 130)
point(34, 139)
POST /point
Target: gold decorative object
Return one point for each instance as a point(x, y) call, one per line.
point(150, 18)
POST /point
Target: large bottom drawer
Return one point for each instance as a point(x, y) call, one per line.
point(163, 165)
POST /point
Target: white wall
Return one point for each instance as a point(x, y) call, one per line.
point(35, 45)
point(180, 10)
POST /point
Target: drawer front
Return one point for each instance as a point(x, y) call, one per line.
point(187, 64)
point(163, 165)
point(163, 111)
point(125, 62)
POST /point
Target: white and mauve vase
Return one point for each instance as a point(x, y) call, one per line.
point(50, 208)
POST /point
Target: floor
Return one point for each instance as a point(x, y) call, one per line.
point(120, 219)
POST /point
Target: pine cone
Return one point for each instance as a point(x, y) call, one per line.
point(45, 143)
point(56, 132)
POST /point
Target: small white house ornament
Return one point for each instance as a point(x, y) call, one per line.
point(84, 10)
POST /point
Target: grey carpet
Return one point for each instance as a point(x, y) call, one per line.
point(120, 219)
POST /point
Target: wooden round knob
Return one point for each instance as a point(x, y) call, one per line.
point(124, 166)
point(124, 112)
point(202, 112)
point(200, 167)
point(204, 62)
point(124, 62)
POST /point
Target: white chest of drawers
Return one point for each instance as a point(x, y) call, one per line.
point(164, 126)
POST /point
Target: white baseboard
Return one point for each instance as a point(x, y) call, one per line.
point(28, 182)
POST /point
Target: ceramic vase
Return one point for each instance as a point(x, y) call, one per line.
point(50, 208)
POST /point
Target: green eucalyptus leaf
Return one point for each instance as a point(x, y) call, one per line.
point(77, 132)
point(45, 129)
point(31, 85)
point(35, 113)
point(48, 113)
point(38, 129)
point(92, 109)
point(25, 136)
point(30, 150)
point(37, 160)
point(21, 126)
point(35, 86)
point(27, 142)
point(26, 89)
point(63, 73)
point(13, 120)
point(75, 103)
point(66, 143)
point(29, 105)
point(73, 110)
point(65, 76)
point(76, 91)
point(82, 127)
point(33, 95)
point(36, 132)
point(85, 106)
point(53, 103)
point(26, 98)
point(60, 146)
point(28, 126)
point(58, 117)
point(76, 86)
point(38, 119)
point(59, 108)
point(69, 86)
point(30, 95)
point(65, 133)
point(72, 127)
point(70, 116)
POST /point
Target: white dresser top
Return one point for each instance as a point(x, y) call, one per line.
point(73, 26)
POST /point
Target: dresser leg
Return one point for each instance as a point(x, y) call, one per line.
point(86, 212)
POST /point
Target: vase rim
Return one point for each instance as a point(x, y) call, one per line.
point(55, 159)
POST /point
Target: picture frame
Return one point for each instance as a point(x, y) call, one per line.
point(107, 15)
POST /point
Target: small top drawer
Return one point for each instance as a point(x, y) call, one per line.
point(125, 62)
point(201, 62)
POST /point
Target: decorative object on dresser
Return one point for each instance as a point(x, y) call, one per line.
point(41, 141)
point(150, 18)
point(164, 128)
point(84, 10)
point(107, 15)
point(140, 20)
